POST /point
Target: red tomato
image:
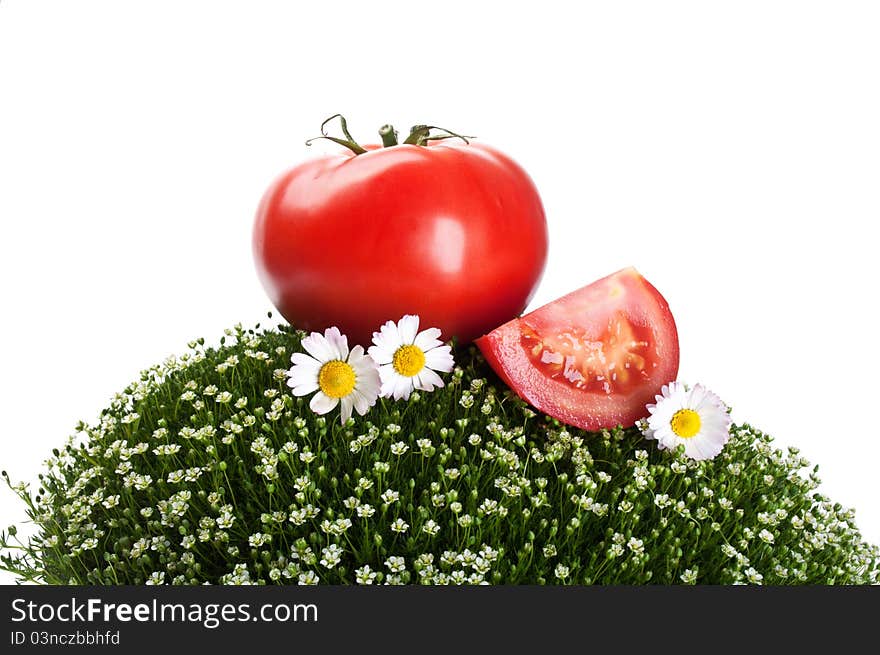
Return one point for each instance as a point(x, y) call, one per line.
point(453, 232)
point(593, 358)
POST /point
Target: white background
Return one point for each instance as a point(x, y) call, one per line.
point(730, 151)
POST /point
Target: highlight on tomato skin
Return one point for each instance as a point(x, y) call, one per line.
point(593, 358)
point(452, 230)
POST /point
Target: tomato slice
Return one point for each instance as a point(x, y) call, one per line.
point(594, 358)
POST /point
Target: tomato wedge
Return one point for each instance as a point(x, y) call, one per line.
point(593, 358)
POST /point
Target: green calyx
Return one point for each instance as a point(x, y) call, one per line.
point(419, 135)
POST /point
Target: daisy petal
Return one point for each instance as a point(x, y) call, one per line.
point(387, 373)
point(369, 386)
point(347, 403)
point(692, 449)
point(356, 356)
point(427, 339)
point(380, 355)
point(387, 341)
point(321, 403)
point(301, 359)
point(440, 359)
point(428, 380)
point(699, 396)
point(318, 347)
point(361, 402)
point(402, 387)
point(302, 373)
point(338, 342)
point(408, 327)
point(303, 387)
point(364, 366)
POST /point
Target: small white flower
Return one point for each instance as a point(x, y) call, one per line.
point(307, 578)
point(340, 376)
point(364, 575)
point(258, 539)
point(696, 418)
point(365, 511)
point(111, 501)
point(331, 556)
point(399, 525)
point(766, 536)
point(689, 576)
point(399, 448)
point(662, 500)
point(561, 571)
point(130, 418)
point(408, 359)
point(458, 577)
point(753, 576)
point(637, 546)
point(396, 564)
point(156, 578)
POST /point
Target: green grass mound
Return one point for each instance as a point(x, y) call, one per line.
point(207, 470)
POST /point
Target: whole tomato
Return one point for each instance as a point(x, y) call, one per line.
point(453, 231)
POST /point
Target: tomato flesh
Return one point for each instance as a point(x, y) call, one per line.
point(593, 358)
point(615, 362)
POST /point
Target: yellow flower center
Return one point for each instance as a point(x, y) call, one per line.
point(408, 360)
point(336, 378)
point(685, 423)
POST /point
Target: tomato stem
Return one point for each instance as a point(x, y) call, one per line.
point(419, 135)
point(347, 142)
point(389, 135)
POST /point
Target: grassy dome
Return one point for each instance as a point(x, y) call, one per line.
point(207, 470)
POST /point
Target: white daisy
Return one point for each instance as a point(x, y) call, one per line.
point(340, 376)
point(696, 418)
point(408, 359)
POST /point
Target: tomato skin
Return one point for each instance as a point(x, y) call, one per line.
point(625, 293)
point(452, 232)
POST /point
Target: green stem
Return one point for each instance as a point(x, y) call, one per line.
point(417, 135)
point(348, 142)
point(342, 123)
point(420, 135)
point(389, 136)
